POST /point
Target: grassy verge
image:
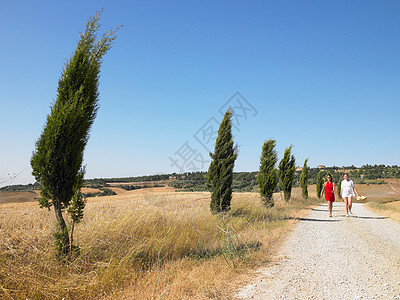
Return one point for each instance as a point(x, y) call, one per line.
point(388, 208)
point(147, 246)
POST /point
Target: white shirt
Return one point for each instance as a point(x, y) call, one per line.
point(347, 188)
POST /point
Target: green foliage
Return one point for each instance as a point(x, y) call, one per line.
point(61, 240)
point(244, 182)
point(57, 159)
point(339, 188)
point(220, 171)
point(107, 192)
point(137, 187)
point(303, 180)
point(94, 183)
point(104, 192)
point(157, 177)
point(320, 183)
point(267, 176)
point(20, 187)
point(78, 202)
point(196, 181)
point(286, 173)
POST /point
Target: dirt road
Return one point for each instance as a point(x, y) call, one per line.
point(341, 257)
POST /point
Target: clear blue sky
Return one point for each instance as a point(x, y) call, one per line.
point(321, 75)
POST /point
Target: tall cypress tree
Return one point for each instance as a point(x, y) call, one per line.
point(303, 180)
point(286, 173)
point(58, 155)
point(267, 177)
point(320, 183)
point(220, 171)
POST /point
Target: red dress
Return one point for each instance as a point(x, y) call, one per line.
point(329, 192)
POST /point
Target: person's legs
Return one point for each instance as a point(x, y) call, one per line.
point(345, 199)
point(330, 208)
point(350, 204)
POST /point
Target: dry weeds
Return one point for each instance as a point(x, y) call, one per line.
point(142, 245)
point(384, 199)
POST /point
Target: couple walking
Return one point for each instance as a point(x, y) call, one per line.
point(346, 193)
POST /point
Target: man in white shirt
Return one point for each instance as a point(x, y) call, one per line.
point(347, 194)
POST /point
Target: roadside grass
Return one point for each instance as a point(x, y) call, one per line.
point(387, 207)
point(143, 246)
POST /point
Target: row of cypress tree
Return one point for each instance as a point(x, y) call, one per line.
point(58, 156)
point(220, 171)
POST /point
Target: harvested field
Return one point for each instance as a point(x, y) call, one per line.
point(116, 190)
point(17, 197)
point(393, 186)
point(143, 244)
point(90, 190)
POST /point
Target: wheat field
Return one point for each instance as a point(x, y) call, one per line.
point(143, 244)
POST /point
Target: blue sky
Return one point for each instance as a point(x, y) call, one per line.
point(323, 76)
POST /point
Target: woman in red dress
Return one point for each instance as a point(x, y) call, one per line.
point(329, 188)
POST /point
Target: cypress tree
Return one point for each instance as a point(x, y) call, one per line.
point(303, 180)
point(57, 159)
point(286, 173)
point(220, 171)
point(320, 183)
point(267, 177)
point(339, 187)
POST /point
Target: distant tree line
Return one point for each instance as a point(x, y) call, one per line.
point(136, 187)
point(103, 192)
point(247, 181)
point(242, 181)
point(158, 177)
point(21, 187)
point(195, 182)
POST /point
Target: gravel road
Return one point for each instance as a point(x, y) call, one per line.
point(335, 257)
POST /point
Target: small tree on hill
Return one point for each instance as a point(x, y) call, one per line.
point(286, 173)
point(303, 180)
point(320, 183)
point(267, 177)
point(339, 188)
point(57, 159)
point(220, 171)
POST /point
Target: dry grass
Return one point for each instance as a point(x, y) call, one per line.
point(387, 209)
point(383, 199)
point(147, 245)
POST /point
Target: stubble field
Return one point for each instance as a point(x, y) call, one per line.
point(142, 244)
point(147, 244)
point(385, 199)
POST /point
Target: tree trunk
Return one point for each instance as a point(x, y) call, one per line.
point(62, 232)
point(71, 240)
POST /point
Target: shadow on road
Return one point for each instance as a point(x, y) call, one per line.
point(317, 220)
point(370, 218)
point(336, 220)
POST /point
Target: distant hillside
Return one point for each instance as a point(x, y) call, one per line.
point(242, 181)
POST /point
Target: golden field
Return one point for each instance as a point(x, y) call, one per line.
point(386, 199)
point(143, 244)
point(151, 243)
